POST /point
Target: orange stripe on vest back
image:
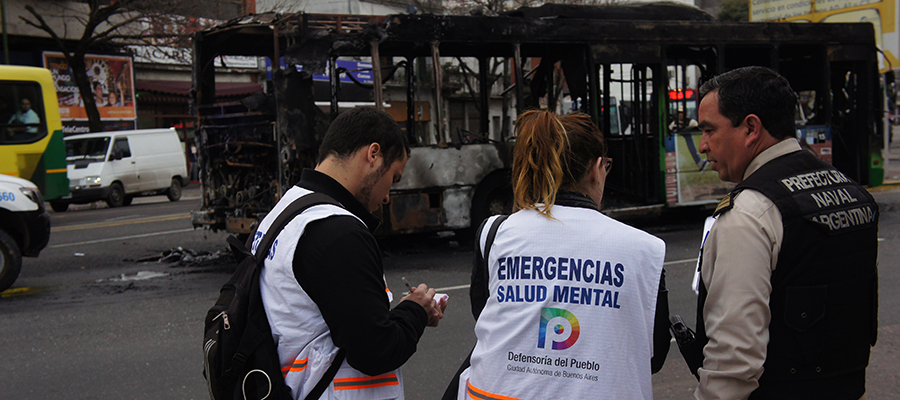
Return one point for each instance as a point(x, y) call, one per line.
point(366, 378)
point(477, 393)
point(365, 382)
point(374, 385)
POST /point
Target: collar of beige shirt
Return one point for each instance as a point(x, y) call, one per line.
point(781, 148)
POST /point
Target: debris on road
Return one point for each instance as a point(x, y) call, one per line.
point(140, 276)
point(189, 258)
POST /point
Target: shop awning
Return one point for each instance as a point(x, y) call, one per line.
point(183, 88)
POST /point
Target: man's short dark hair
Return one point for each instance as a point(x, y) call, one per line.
point(361, 127)
point(755, 90)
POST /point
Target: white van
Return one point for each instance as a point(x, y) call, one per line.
point(118, 166)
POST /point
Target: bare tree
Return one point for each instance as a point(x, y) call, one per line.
point(496, 7)
point(111, 24)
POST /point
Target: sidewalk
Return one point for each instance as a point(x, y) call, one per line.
point(892, 158)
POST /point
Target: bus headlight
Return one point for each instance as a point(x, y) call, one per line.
point(33, 194)
point(90, 181)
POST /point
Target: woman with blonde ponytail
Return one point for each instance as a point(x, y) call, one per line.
point(568, 303)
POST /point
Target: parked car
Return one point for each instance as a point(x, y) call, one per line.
point(24, 226)
point(119, 166)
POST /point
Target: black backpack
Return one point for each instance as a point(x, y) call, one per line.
point(240, 358)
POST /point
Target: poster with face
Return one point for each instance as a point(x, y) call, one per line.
point(112, 84)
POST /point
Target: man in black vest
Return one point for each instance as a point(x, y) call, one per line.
point(788, 279)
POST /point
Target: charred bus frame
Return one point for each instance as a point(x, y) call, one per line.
point(252, 151)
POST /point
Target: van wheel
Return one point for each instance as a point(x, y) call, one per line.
point(174, 192)
point(59, 206)
point(10, 261)
point(116, 197)
point(127, 200)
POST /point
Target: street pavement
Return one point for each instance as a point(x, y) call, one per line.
point(892, 160)
point(171, 323)
point(883, 373)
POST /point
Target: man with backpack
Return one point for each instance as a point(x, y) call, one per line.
point(323, 285)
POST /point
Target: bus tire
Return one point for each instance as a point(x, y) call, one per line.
point(174, 191)
point(10, 261)
point(116, 196)
point(492, 197)
point(59, 206)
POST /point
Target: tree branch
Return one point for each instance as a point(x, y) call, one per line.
point(99, 36)
point(44, 27)
point(472, 92)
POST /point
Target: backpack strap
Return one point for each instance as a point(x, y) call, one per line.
point(295, 208)
point(328, 377)
point(492, 233)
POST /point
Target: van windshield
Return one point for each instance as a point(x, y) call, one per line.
point(93, 149)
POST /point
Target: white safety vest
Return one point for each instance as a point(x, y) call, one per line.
point(305, 348)
point(570, 312)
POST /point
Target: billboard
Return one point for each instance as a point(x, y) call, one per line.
point(884, 15)
point(112, 80)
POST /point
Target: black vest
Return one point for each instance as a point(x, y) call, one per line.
point(824, 298)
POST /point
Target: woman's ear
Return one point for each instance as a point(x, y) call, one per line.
point(597, 170)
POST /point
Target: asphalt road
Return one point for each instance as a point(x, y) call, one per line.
point(96, 316)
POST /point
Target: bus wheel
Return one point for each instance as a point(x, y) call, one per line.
point(59, 206)
point(174, 192)
point(10, 261)
point(116, 197)
point(494, 196)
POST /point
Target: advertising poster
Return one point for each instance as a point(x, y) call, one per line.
point(361, 71)
point(112, 80)
point(689, 180)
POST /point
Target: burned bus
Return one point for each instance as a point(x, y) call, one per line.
point(456, 83)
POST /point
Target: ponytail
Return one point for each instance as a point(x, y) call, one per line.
point(538, 164)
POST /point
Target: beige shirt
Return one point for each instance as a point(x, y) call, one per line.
point(739, 257)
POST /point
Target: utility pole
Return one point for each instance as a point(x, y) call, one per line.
point(5, 40)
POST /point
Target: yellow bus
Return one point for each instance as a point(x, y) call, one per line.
point(31, 137)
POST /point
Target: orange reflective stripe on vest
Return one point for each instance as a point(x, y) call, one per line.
point(477, 393)
point(298, 365)
point(365, 382)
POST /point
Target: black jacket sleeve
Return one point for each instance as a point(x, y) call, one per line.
point(661, 336)
point(338, 263)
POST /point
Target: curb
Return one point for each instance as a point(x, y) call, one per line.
point(889, 185)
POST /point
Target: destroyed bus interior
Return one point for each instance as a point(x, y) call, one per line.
point(455, 85)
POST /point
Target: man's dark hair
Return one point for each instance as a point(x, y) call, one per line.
point(755, 90)
point(361, 127)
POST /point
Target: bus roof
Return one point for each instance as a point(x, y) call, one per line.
point(409, 35)
point(19, 73)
